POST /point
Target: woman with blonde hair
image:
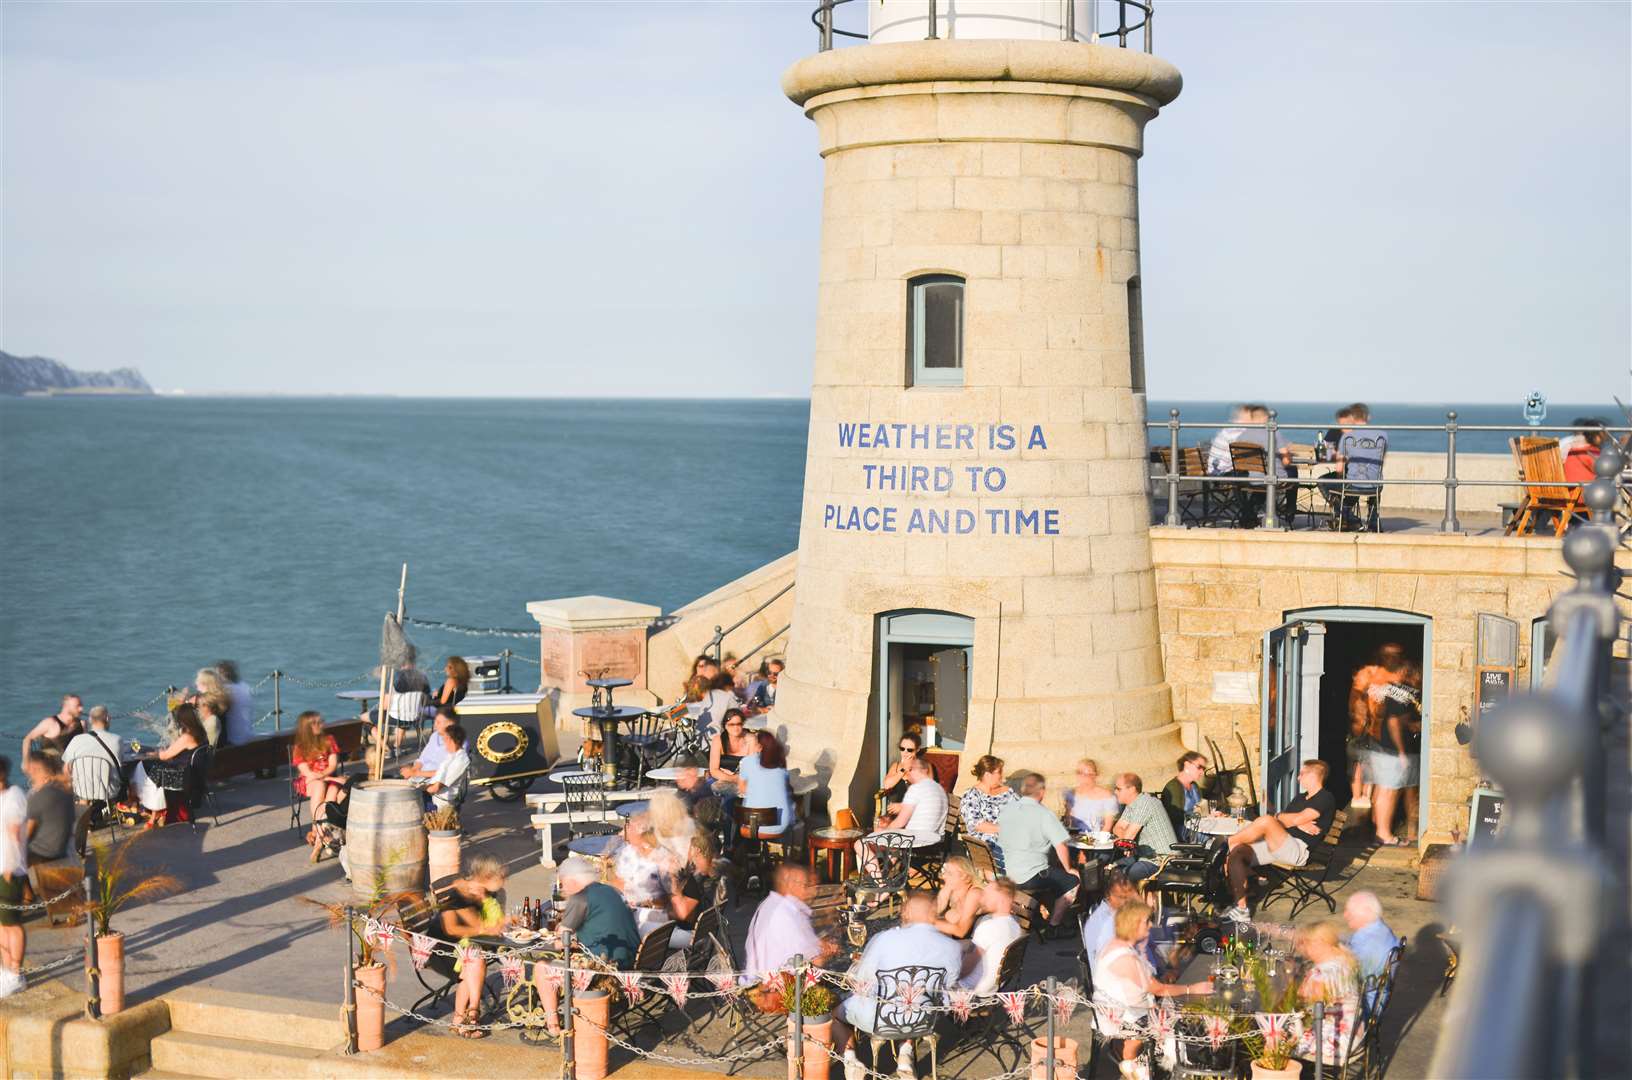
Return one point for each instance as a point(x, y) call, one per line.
point(1127, 983)
point(957, 904)
point(456, 683)
point(640, 873)
point(981, 804)
point(1089, 806)
point(672, 825)
point(1334, 978)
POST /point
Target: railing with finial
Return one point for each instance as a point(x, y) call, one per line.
point(1543, 945)
point(1134, 21)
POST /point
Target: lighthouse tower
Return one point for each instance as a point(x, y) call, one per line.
point(974, 552)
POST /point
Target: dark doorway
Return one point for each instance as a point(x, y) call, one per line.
point(1351, 646)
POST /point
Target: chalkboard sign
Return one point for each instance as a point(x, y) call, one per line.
point(1485, 815)
point(1493, 685)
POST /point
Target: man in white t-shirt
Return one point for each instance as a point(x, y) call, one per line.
point(921, 815)
point(993, 934)
point(452, 777)
point(104, 746)
point(13, 875)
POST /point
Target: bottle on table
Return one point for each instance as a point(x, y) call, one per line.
point(526, 919)
point(538, 914)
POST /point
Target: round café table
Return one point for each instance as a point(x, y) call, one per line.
point(361, 697)
point(830, 842)
point(627, 810)
point(606, 722)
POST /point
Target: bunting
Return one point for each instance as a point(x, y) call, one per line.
point(629, 983)
point(960, 1000)
point(419, 949)
point(512, 969)
point(1014, 1003)
point(678, 987)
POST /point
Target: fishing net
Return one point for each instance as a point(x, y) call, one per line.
point(395, 648)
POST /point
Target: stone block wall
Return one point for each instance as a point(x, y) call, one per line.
point(1218, 591)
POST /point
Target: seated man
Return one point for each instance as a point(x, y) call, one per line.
point(447, 786)
point(1370, 939)
point(99, 783)
point(1361, 450)
point(1100, 926)
point(435, 751)
point(697, 792)
point(1282, 838)
point(781, 928)
point(1029, 832)
point(921, 813)
point(603, 923)
point(994, 932)
point(1185, 790)
point(50, 824)
point(915, 943)
point(1144, 820)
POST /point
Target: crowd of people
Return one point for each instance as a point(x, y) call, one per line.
point(1354, 448)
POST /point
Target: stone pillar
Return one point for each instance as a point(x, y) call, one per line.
point(596, 634)
point(1012, 165)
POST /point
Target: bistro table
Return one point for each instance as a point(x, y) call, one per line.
point(361, 697)
point(549, 811)
point(606, 720)
point(632, 807)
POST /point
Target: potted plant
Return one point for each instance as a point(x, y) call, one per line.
point(816, 1003)
point(1205, 1030)
point(1273, 1038)
point(442, 842)
point(372, 956)
point(118, 885)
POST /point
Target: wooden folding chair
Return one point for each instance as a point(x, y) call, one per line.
point(1539, 462)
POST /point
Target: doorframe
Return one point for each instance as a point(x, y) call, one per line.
point(1374, 615)
point(884, 639)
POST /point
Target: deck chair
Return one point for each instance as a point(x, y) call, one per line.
point(97, 782)
point(407, 711)
point(297, 801)
point(988, 1029)
point(1539, 461)
point(1315, 880)
point(904, 1011)
point(650, 959)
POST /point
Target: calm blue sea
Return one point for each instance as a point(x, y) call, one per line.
point(143, 538)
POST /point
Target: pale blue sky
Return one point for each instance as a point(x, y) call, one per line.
point(1396, 201)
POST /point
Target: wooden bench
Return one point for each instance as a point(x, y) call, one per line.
point(265, 755)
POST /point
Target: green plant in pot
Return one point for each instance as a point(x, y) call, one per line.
point(372, 956)
point(442, 841)
point(1273, 1041)
point(816, 1002)
point(1196, 1025)
point(118, 885)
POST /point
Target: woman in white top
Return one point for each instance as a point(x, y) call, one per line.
point(720, 699)
point(641, 872)
point(1334, 978)
point(959, 901)
point(1090, 807)
point(1127, 983)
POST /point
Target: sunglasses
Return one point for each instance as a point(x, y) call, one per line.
point(908, 749)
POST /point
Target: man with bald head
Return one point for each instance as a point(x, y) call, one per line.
point(915, 943)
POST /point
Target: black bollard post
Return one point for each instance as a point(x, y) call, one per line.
point(569, 1059)
point(349, 1006)
point(93, 976)
point(797, 1050)
point(1320, 1016)
point(1053, 988)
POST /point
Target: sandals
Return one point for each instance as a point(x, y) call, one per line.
point(464, 1026)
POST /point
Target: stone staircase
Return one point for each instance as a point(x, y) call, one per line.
point(219, 1034)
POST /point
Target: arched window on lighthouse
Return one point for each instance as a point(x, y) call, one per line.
point(935, 330)
point(1136, 336)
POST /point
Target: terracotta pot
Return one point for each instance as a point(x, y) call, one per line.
point(1065, 1059)
point(442, 853)
point(1294, 1069)
point(589, 1039)
point(110, 965)
point(370, 1007)
point(818, 1037)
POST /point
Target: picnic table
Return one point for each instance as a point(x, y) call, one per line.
point(549, 811)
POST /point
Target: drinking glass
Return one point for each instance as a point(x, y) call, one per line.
point(1226, 974)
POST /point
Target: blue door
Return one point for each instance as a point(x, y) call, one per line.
point(1280, 736)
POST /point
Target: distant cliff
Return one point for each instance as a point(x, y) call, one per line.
point(21, 375)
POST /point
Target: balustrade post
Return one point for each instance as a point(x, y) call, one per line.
point(932, 28)
point(348, 1007)
point(825, 27)
point(93, 975)
point(796, 1050)
point(1271, 490)
point(1068, 20)
point(569, 1053)
point(277, 700)
point(1048, 1054)
point(1450, 524)
point(1172, 518)
point(1320, 1019)
point(1150, 14)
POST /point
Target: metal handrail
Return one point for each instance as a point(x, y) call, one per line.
point(1538, 935)
point(822, 19)
point(1272, 483)
point(719, 634)
point(764, 643)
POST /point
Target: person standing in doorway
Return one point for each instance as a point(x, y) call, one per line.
point(1385, 708)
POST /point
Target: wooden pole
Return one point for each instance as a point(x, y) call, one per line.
point(381, 730)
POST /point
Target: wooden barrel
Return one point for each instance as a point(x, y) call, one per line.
point(385, 838)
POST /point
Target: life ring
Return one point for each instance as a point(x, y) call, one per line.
point(498, 729)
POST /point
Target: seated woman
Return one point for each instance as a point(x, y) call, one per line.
point(166, 800)
point(727, 748)
point(1089, 806)
point(1334, 978)
point(212, 709)
point(316, 758)
point(641, 872)
point(692, 890)
point(957, 904)
point(765, 783)
point(1127, 983)
point(466, 909)
point(981, 804)
point(455, 683)
point(718, 702)
point(895, 784)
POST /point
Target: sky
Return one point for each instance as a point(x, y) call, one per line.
point(1408, 202)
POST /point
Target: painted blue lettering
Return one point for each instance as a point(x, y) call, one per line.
point(943, 478)
point(920, 478)
point(943, 437)
point(1025, 519)
point(998, 518)
point(940, 521)
point(1005, 436)
point(920, 436)
point(847, 434)
point(1051, 523)
point(965, 522)
point(915, 523)
point(830, 514)
point(1001, 481)
point(974, 476)
point(1036, 440)
point(966, 436)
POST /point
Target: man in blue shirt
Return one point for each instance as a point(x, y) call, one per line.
point(435, 751)
point(914, 943)
point(1100, 927)
point(1370, 939)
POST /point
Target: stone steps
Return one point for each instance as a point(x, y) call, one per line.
point(281, 1021)
point(222, 1058)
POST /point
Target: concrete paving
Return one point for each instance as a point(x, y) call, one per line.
point(241, 924)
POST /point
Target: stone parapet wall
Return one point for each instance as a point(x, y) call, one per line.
point(689, 630)
point(1219, 591)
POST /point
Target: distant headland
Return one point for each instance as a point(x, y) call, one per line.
point(28, 376)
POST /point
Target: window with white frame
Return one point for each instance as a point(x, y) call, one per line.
point(935, 330)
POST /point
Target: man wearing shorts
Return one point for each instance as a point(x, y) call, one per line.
point(13, 873)
point(1282, 838)
point(1034, 832)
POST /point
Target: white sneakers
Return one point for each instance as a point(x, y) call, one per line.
point(905, 1066)
point(1134, 1070)
point(1238, 914)
point(853, 1068)
point(11, 982)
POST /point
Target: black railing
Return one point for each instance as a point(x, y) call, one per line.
point(1542, 944)
point(720, 633)
point(1272, 429)
point(1142, 13)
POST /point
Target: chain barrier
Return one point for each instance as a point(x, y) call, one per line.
point(470, 631)
point(332, 684)
point(67, 960)
point(140, 711)
point(36, 905)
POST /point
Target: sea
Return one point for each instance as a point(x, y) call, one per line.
point(144, 538)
